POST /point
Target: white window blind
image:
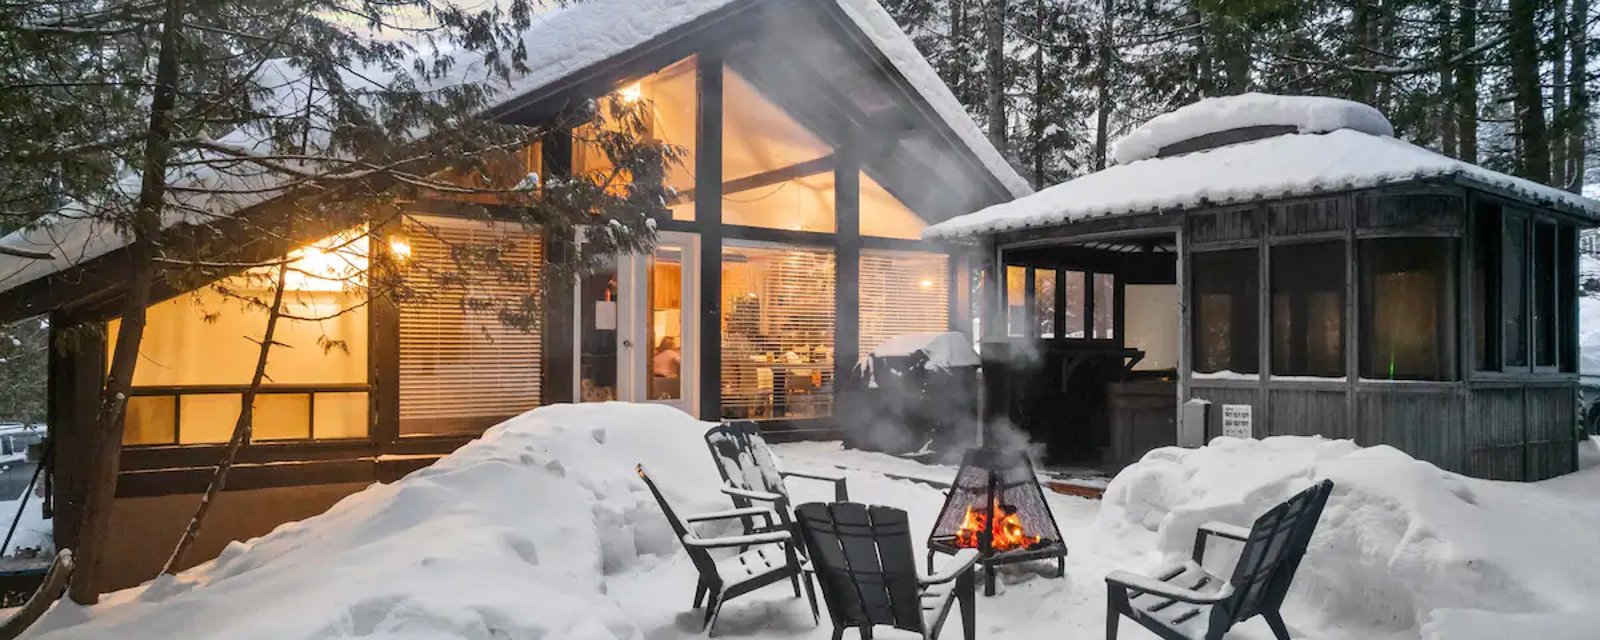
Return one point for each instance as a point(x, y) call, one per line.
point(902, 292)
point(777, 331)
point(463, 369)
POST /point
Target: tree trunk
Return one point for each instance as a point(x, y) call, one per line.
point(1102, 81)
point(956, 58)
point(1534, 162)
point(103, 463)
point(1558, 95)
point(1041, 24)
point(1363, 86)
point(994, 29)
point(241, 430)
point(1467, 83)
point(1447, 88)
point(1205, 81)
point(1578, 103)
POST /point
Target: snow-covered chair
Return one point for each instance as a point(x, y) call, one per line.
point(1186, 602)
point(862, 556)
point(762, 559)
point(750, 472)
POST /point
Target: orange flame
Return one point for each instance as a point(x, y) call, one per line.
point(1006, 534)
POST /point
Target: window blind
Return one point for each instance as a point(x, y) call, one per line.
point(462, 369)
point(777, 331)
point(902, 292)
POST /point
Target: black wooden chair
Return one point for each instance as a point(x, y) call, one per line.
point(750, 471)
point(1185, 602)
point(863, 558)
point(763, 558)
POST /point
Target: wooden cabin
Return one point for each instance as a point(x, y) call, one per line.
point(1289, 261)
point(821, 145)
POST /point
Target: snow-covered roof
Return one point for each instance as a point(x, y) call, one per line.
point(1307, 114)
point(559, 43)
point(1339, 146)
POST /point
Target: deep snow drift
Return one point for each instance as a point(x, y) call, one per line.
point(542, 530)
point(1403, 546)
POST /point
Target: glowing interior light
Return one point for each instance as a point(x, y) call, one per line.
point(925, 284)
point(631, 93)
point(400, 248)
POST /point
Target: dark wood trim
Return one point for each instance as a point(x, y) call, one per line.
point(783, 236)
point(1224, 138)
point(775, 176)
point(1030, 303)
point(1059, 322)
point(556, 373)
point(77, 364)
point(847, 268)
point(708, 217)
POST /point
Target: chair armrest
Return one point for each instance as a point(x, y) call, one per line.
point(750, 494)
point(841, 492)
point(736, 541)
point(1146, 584)
point(730, 514)
point(1225, 530)
point(958, 564)
point(1220, 530)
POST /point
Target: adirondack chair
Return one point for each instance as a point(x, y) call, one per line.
point(750, 471)
point(862, 556)
point(1185, 602)
point(763, 558)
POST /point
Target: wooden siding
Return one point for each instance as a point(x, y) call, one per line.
point(1310, 216)
point(1551, 431)
point(1223, 226)
point(1424, 421)
point(1307, 412)
point(1227, 392)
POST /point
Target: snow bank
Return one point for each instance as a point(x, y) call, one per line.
point(514, 535)
point(1403, 547)
point(1307, 114)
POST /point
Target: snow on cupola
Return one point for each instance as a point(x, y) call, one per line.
point(1215, 122)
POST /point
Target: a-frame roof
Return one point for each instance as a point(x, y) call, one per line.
point(575, 42)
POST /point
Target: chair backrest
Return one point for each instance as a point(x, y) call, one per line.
point(744, 459)
point(863, 559)
point(1273, 551)
point(702, 558)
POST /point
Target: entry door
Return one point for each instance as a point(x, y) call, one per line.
point(637, 330)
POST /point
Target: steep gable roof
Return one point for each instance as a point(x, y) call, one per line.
point(560, 44)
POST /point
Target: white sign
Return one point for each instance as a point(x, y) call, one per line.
point(1236, 421)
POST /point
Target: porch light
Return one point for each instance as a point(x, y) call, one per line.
point(400, 249)
point(631, 93)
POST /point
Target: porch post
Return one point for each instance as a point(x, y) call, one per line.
point(1185, 338)
point(708, 219)
point(76, 372)
point(559, 358)
point(847, 267)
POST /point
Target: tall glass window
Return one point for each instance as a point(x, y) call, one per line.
point(774, 169)
point(1105, 306)
point(1545, 309)
point(1407, 308)
point(1308, 285)
point(1224, 314)
point(465, 364)
point(666, 324)
point(1487, 240)
point(1514, 289)
point(902, 292)
point(1044, 302)
point(669, 99)
point(777, 331)
point(1076, 284)
point(1018, 315)
point(199, 353)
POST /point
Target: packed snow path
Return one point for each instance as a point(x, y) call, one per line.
point(542, 530)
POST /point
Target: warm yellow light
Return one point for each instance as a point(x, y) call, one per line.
point(631, 93)
point(926, 284)
point(400, 248)
point(329, 264)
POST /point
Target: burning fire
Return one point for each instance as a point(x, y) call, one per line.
point(1006, 532)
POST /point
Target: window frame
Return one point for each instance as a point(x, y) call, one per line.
point(1269, 318)
point(1451, 345)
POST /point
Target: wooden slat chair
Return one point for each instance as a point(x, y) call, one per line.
point(750, 472)
point(763, 558)
point(863, 558)
point(1185, 602)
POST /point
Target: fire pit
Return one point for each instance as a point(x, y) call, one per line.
point(997, 507)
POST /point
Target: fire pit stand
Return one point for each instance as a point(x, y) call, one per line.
point(997, 507)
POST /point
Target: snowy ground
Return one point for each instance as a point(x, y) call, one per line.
point(541, 530)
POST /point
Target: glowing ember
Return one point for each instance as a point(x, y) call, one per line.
point(1006, 534)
